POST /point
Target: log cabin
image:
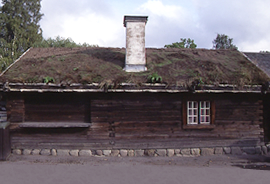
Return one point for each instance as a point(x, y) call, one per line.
point(262, 61)
point(124, 98)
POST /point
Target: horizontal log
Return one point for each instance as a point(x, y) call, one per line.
point(59, 107)
point(54, 116)
point(113, 112)
point(236, 102)
point(16, 111)
point(192, 127)
point(49, 138)
point(54, 125)
point(95, 125)
point(146, 124)
point(143, 130)
point(225, 122)
point(132, 107)
point(15, 102)
point(135, 118)
point(16, 119)
point(137, 101)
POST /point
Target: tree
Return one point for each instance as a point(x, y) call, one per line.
point(223, 41)
point(60, 42)
point(185, 43)
point(264, 52)
point(19, 28)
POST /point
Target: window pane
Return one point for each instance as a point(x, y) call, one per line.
point(202, 112)
point(192, 112)
point(202, 104)
point(202, 119)
point(205, 120)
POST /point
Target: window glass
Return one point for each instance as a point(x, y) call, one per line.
point(198, 112)
point(190, 105)
point(195, 104)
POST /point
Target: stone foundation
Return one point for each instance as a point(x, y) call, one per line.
point(184, 152)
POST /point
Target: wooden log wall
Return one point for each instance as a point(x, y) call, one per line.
point(266, 117)
point(15, 108)
point(136, 117)
point(141, 121)
point(56, 108)
point(240, 118)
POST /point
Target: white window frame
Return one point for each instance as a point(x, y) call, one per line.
point(198, 112)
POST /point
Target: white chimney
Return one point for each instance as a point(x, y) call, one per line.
point(135, 43)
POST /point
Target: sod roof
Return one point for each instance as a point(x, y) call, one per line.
point(178, 67)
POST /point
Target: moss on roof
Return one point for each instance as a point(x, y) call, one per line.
point(105, 65)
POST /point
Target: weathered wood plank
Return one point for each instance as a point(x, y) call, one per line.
point(132, 121)
point(54, 125)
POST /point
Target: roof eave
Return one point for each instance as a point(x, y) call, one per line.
point(127, 87)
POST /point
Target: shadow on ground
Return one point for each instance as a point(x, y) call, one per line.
point(254, 167)
point(256, 162)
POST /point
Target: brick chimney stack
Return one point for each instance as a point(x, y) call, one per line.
point(135, 43)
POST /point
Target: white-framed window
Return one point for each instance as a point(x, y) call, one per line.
point(198, 112)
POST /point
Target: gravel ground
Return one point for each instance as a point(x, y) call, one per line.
point(204, 169)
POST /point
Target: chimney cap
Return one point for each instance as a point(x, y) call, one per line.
point(131, 18)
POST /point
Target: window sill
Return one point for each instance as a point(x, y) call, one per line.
point(54, 125)
point(191, 127)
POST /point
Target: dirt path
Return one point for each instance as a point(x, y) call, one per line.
point(58, 170)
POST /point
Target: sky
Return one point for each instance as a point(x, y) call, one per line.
point(101, 21)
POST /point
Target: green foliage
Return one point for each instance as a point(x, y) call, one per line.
point(223, 41)
point(19, 28)
point(200, 81)
point(61, 58)
point(48, 80)
point(33, 79)
point(185, 43)
point(60, 42)
point(154, 78)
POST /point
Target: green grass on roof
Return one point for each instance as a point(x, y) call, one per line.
point(105, 65)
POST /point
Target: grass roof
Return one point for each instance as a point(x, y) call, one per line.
point(105, 65)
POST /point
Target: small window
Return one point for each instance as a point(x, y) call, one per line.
point(200, 114)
